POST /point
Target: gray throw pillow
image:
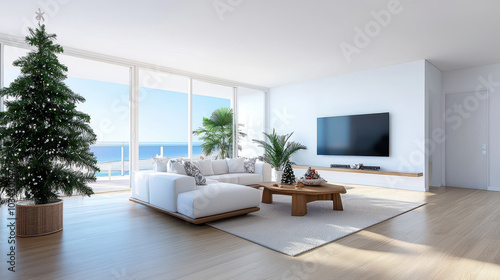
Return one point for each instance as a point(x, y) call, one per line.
point(250, 165)
point(193, 171)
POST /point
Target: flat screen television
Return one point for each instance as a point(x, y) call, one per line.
point(354, 135)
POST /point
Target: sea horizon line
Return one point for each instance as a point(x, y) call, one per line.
point(119, 144)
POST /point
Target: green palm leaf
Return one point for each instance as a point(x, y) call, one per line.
point(277, 149)
point(217, 133)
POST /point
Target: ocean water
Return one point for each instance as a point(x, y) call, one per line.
point(110, 152)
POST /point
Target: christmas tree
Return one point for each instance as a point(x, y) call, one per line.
point(288, 177)
point(45, 140)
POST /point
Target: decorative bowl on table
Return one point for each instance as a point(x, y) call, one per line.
point(311, 178)
point(312, 182)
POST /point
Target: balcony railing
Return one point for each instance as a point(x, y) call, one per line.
point(113, 157)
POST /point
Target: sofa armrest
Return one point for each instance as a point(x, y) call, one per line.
point(164, 188)
point(140, 185)
point(264, 169)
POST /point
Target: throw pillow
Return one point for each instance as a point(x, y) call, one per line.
point(220, 166)
point(193, 171)
point(250, 165)
point(206, 167)
point(197, 163)
point(236, 165)
point(176, 166)
point(160, 164)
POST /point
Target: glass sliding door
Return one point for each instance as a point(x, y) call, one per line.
point(105, 88)
point(212, 119)
point(163, 116)
point(163, 113)
point(251, 116)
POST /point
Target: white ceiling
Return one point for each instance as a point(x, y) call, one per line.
point(268, 42)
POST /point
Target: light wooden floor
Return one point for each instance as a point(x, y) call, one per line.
point(116, 183)
point(455, 236)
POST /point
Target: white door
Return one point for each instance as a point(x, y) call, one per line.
point(466, 160)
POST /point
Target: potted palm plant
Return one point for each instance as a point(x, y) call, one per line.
point(277, 150)
point(45, 140)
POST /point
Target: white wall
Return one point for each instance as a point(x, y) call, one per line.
point(251, 113)
point(399, 90)
point(480, 78)
point(435, 124)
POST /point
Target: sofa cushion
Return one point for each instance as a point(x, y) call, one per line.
point(160, 164)
point(249, 178)
point(236, 165)
point(249, 165)
point(225, 178)
point(176, 166)
point(209, 181)
point(197, 163)
point(220, 167)
point(238, 178)
point(216, 199)
point(193, 171)
point(205, 166)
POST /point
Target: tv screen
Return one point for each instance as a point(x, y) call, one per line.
point(355, 135)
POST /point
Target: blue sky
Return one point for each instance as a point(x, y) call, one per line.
point(162, 114)
point(107, 105)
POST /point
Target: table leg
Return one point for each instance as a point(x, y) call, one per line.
point(337, 202)
point(299, 205)
point(267, 196)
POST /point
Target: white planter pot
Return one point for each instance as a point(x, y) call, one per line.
point(277, 176)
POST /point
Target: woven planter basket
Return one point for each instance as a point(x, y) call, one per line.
point(37, 220)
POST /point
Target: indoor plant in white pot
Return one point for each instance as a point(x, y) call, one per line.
point(277, 150)
point(45, 140)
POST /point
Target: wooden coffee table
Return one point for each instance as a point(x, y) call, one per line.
point(301, 196)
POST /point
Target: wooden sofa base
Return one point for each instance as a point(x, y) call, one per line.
point(201, 220)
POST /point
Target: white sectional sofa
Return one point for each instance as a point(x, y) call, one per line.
point(224, 194)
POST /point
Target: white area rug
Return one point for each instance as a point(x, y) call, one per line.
point(275, 228)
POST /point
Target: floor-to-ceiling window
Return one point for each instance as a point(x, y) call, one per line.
point(105, 88)
point(163, 116)
point(213, 103)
